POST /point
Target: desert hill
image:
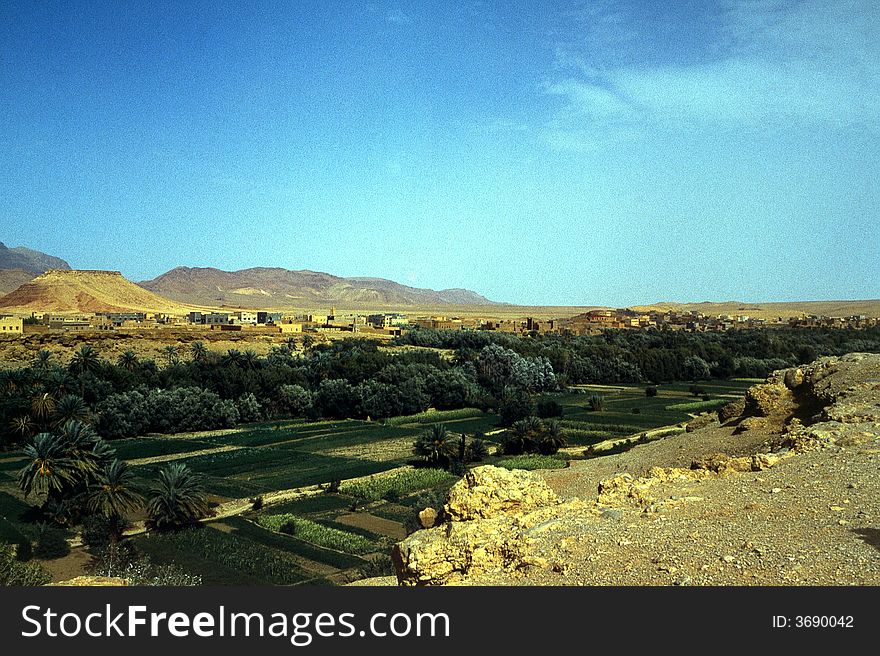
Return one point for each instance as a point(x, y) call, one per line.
point(779, 488)
point(60, 290)
point(276, 287)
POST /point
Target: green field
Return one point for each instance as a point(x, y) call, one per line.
point(332, 534)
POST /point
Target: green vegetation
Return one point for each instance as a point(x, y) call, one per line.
point(222, 558)
point(323, 536)
point(398, 484)
point(532, 461)
point(434, 416)
point(699, 406)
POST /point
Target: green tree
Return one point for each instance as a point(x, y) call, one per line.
point(435, 445)
point(114, 495)
point(177, 500)
point(128, 361)
point(70, 408)
point(199, 351)
point(49, 469)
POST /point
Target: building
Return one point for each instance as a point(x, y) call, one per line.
point(11, 326)
point(269, 317)
point(246, 318)
point(287, 328)
point(216, 319)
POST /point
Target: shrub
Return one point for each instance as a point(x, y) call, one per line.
point(651, 390)
point(51, 543)
point(548, 407)
point(14, 572)
point(597, 402)
point(477, 450)
point(636, 411)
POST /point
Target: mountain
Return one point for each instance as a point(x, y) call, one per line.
point(13, 279)
point(65, 290)
point(275, 287)
point(26, 259)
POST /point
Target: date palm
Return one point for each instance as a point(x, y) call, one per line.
point(552, 438)
point(177, 498)
point(23, 426)
point(435, 445)
point(170, 352)
point(84, 362)
point(43, 361)
point(128, 361)
point(42, 408)
point(70, 408)
point(199, 351)
point(114, 495)
point(57, 383)
point(49, 469)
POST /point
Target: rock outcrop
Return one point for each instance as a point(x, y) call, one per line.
point(492, 514)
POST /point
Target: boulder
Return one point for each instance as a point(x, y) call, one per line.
point(428, 517)
point(769, 399)
point(701, 421)
point(731, 410)
point(489, 491)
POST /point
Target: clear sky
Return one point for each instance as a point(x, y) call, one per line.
point(571, 153)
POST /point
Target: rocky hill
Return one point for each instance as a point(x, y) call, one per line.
point(780, 488)
point(60, 290)
point(275, 287)
point(20, 265)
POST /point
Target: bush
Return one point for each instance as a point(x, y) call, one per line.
point(51, 543)
point(14, 572)
point(548, 407)
point(651, 390)
point(636, 411)
point(597, 402)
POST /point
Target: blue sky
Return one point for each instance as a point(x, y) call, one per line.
point(571, 153)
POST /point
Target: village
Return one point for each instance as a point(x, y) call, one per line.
point(387, 325)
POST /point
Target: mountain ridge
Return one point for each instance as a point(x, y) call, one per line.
point(276, 286)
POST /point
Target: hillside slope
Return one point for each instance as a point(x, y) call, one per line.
point(85, 291)
point(784, 492)
point(276, 287)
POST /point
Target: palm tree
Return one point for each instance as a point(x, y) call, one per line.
point(70, 408)
point(57, 382)
point(170, 352)
point(86, 449)
point(199, 351)
point(128, 361)
point(114, 495)
point(178, 498)
point(42, 408)
point(43, 361)
point(250, 359)
point(232, 357)
point(523, 436)
point(49, 469)
point(435, 445)
point(552, 439)
point(23, 425)
point(85, 361)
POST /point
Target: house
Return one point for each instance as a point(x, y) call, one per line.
point(247, 318)
point(287, 328)
point(269, 317)
point(11, 326)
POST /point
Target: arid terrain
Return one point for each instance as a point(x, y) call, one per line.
point(781, 489)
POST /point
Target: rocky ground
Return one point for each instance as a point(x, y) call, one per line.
point(779, 489)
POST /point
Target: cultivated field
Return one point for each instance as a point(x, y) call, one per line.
point(305, 534)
